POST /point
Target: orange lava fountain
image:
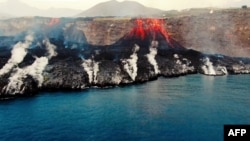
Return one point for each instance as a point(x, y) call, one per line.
point(138, 30)
point(149, 27)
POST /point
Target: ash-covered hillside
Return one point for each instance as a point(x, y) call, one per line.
point(56, 54)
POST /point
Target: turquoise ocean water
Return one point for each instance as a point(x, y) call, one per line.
point(186, 108)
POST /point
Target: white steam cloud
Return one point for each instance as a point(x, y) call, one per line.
point(130, 65)
point(18, 52)
point(151, 56)
point(208, 67)
point(35, 70)
point(183, 64)
point(96, 70)
point(92, 68)
point(87, 67)
point(50, 48)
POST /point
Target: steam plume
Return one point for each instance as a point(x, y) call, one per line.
point(35, 70)
point(92, 68)
point(130, 65)
point(18, 52)
point(50, 48)
point(95, 69)
point(151, 56)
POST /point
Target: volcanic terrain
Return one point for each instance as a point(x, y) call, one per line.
point(52, 54)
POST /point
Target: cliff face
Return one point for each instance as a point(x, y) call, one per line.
point(220, 31)
point(223, 31)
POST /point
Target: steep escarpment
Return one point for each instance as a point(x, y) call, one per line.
point(224, 31)
point(217, 31)
point(53, 58)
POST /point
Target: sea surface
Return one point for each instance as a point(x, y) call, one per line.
point(189, 108)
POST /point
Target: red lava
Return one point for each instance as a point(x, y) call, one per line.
point(54, 21)
point(149, 26)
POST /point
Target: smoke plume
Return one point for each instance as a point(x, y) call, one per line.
point(50, 48)
point(18, 52)
point(35, 70)
point(208, 67)
point(92, 68)
point(130, 65)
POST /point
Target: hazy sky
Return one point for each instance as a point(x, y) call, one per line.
point(161, 4)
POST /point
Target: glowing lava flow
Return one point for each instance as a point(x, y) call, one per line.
point(156, 25)
point(54, 21)
point(139, 30)
point(147, 27)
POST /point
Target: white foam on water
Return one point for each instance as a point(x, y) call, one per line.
point(95, 71)
point(35, 70)
point(50, 48)
point(87, 66)
point(224, 70)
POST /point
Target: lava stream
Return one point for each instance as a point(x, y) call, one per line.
point(146, 27)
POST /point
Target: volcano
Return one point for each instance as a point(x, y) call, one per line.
point(147, 30)
point(145, 53)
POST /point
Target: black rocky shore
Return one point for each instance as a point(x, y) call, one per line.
point(69, 62)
